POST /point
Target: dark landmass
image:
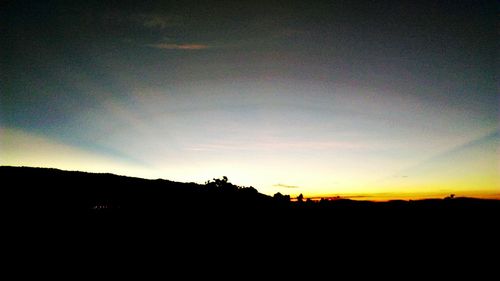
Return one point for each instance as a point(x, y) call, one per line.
point(43, 189)
point(50, 193)
point(109, 217)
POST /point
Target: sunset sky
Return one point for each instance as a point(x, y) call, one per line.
point(362, 99)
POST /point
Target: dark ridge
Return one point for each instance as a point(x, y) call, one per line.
point(40, 194)
point(45, 189)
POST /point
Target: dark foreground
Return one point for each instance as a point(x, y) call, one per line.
point(109, 217)
point(38, 194)
point(56, 192)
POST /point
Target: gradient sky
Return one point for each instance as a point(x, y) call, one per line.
point(395, 99)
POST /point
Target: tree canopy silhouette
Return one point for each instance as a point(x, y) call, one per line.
point(300, 198)
point(281, 198)
point(224, 185)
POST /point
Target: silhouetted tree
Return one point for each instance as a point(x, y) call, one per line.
point(281, 198)
point(300, 198)
point(224, 185)
point(221, 184)
point(451, 196)
point(324, 200)
point(247, 190)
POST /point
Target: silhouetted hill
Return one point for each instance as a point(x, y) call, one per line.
point(32, 192)
point(196, 221)
point(43, 189)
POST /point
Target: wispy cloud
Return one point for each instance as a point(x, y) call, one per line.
point(286, 186)
point(155, 21)
point(172, 46)
point(276, 144)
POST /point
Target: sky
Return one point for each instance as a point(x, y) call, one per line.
point(361, 99)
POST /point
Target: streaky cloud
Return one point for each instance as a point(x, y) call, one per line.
point(286, 186)
point(170, 46)
point(155, 21)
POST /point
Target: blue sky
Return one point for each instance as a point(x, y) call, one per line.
point(328, 97)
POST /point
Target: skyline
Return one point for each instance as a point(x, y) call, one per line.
point(324, 98)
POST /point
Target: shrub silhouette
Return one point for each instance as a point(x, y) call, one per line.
point(247, 190)
point(224, 185)
point(300, 198)
point(281, 198)
point(221, 184)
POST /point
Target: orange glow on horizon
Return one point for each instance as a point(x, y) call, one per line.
point(471, 172)
point(406, 197)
